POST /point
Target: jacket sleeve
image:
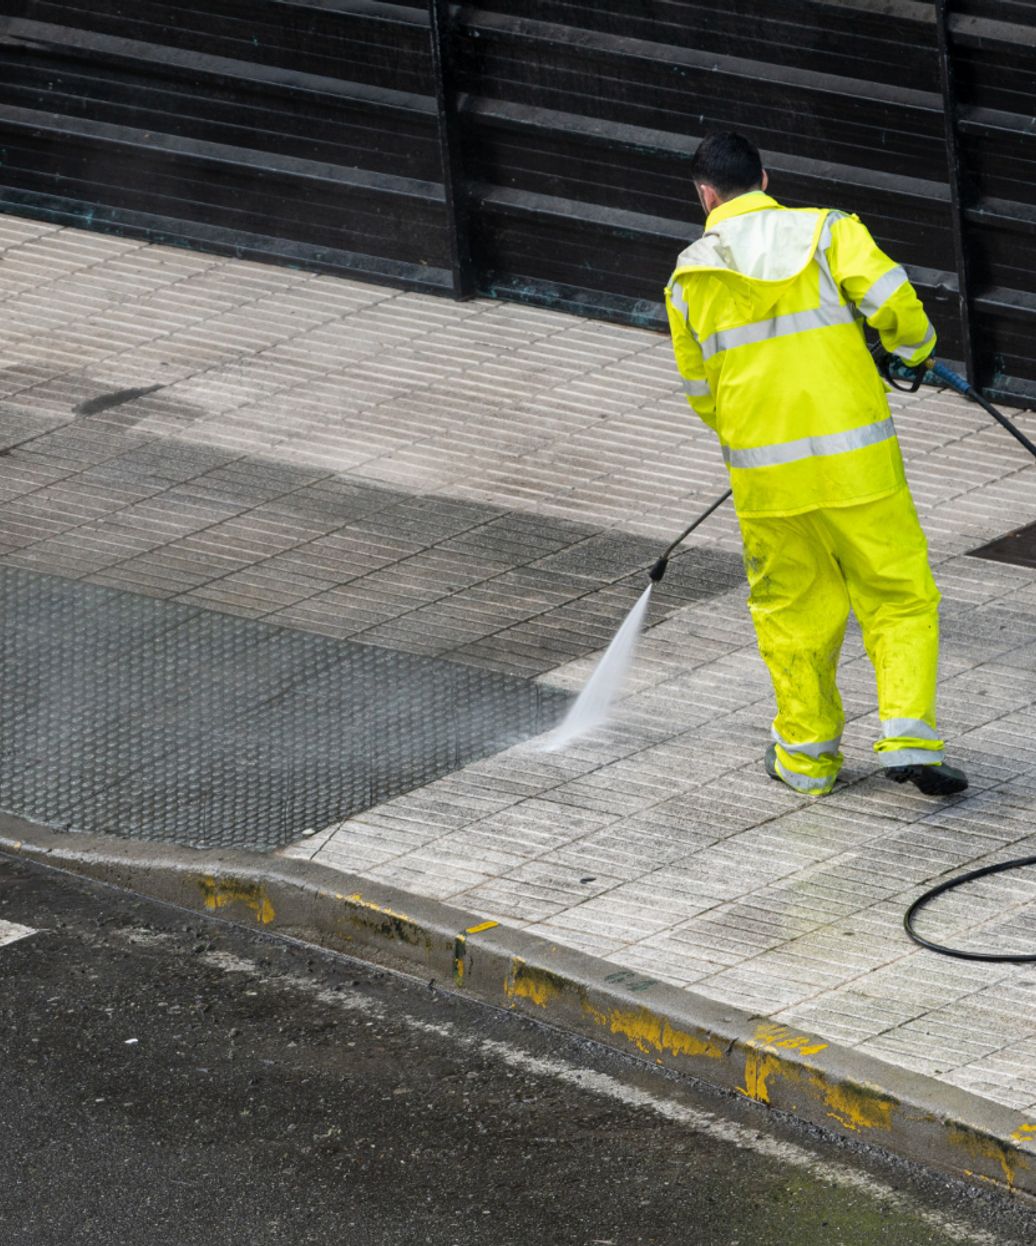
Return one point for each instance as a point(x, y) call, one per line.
point(688, 355)
point(881, 291)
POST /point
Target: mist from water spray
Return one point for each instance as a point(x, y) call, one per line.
point(593, 705)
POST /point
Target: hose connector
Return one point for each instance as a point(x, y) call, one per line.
point(658, 570)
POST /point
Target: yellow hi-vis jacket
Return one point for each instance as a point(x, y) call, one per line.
point(766, 311)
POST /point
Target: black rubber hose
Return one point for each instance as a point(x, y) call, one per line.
point(957, 382)
point(950, 885)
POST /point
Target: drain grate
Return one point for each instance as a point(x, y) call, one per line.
point(160, 721)
point(1017, 547)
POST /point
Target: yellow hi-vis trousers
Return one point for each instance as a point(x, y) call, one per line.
point(804, 573)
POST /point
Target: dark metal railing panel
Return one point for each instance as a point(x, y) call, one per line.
point(962, 193)
point(211, 98)
point(451, 154)
point(362, 41)
point(851, 41)
point(991, 51)
point(390, 217)
point(289, 129)
point(538, 149)
point(653, 84)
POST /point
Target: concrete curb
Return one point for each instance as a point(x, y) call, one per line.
point(839, 1089)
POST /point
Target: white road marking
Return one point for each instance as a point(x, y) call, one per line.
point(731, 1132)
point(9, 931)
point(742, 1136)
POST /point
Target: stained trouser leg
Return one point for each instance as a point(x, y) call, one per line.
point(799, 606)
point(885, 556)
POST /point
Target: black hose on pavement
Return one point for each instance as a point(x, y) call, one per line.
point(958, 383)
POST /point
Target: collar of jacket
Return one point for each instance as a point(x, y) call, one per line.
point(750, 202)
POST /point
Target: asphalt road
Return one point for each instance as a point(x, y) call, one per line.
point(169, 1079)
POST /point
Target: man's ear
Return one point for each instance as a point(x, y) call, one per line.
point(708, 196)
point(766, 180)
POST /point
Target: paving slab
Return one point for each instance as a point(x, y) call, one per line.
point(485, 484)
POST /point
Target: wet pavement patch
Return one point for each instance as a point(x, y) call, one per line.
point(161, 721)
point(105, 402)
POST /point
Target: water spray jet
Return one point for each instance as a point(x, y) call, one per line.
point(592, 706)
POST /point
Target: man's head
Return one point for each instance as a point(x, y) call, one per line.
point(725, 166)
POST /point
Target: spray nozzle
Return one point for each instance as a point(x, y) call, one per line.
point(658, 570)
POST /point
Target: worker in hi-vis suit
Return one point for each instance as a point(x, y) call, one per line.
point(767, 311)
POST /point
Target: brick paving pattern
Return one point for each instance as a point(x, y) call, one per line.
point(488, 483)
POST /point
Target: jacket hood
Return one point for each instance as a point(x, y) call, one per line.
point(756, 242)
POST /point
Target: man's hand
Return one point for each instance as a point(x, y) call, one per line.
point(900, 375)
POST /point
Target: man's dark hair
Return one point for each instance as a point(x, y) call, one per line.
point(728, 162)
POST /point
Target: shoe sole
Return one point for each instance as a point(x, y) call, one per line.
point(929, 780)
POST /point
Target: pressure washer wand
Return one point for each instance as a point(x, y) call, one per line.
point(944, 374)
point(958, 383)
point(658, 570)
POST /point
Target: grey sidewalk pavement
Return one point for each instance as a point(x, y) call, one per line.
point(487, 483)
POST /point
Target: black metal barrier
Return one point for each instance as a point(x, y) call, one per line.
point(537, 150)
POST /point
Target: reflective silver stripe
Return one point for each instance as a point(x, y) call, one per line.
point(677, 299)
point(803, 782)
point(832, 218)
point(811, 447)
point(696, 389)
point(910, 757)
point(908, 729)
point(829, 292)
point(808, 750)
point(882, 290)
point(830, 295)
point(779, 326)
point(908, 352)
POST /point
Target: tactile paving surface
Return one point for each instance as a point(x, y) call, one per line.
point(159, 721)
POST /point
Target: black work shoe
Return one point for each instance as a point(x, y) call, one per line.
point(934, 780)
point(770, 761)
